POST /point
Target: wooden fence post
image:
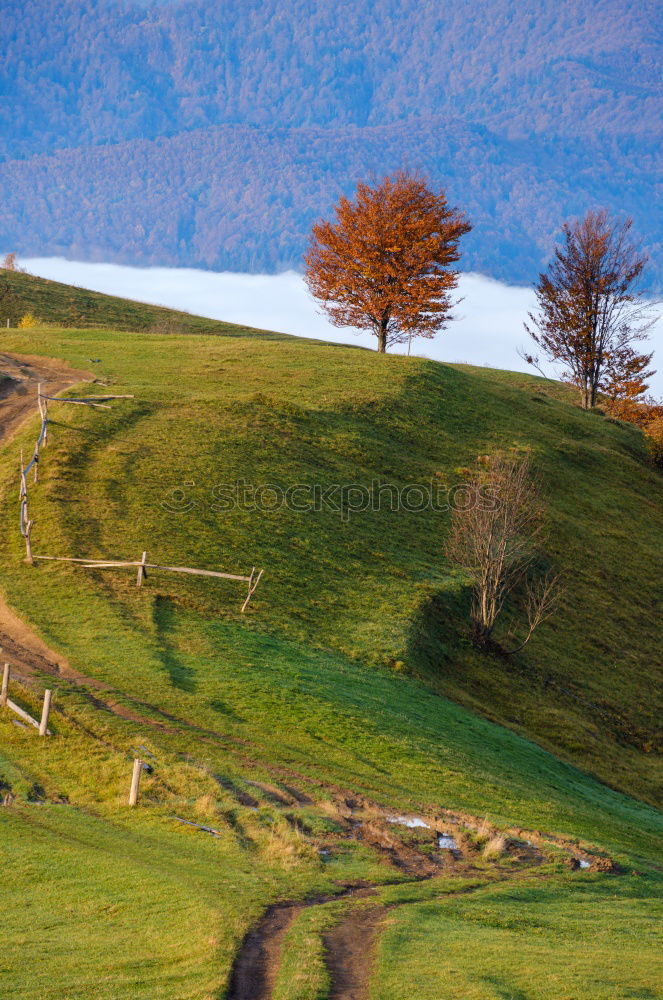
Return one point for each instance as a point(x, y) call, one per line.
point(28, 544)
point(23, 489)
point(135, 782)
point(253, 583)
point(43, 412)
point(5, 684)
point(43, 725)
point(142, 572)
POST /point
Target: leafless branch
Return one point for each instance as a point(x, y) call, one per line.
point(542, 597)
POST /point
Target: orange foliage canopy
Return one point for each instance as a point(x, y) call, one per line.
point(625, 385)
point(626, 390)
point(386, 264)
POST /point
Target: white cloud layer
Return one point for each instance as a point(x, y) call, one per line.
point(488, 329)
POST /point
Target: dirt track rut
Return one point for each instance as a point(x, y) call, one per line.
point(349, 948)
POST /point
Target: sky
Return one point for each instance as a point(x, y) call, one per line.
point(487, 329)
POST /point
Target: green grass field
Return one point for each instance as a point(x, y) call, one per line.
point(351, 670)
point(558, 941)
point(66, 305)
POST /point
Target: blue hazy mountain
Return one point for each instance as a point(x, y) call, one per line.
point(211, 133)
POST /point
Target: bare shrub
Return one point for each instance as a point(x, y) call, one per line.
point(494, 539)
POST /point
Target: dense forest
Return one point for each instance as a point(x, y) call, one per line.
point(213, 133)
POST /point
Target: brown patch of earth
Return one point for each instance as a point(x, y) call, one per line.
point(257, 963)
point(416, 863)
point(350, 950)
point(18, 393)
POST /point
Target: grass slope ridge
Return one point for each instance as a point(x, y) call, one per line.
point(67, 305)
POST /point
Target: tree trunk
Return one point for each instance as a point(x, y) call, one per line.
point(382, 337)
point(585, 397)
point(482, 633)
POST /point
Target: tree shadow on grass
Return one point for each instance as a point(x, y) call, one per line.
point(223, 708)
point(504, 991)
point(163, 616)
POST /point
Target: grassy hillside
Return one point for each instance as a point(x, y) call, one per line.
point(374, 586)
point(65, 305)
point(351, 673)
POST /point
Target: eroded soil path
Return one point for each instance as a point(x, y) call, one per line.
point(257, 963)
point(349, 948)
point(350, 952)
point(18, 390)
point(20, 376)
point(350, 944)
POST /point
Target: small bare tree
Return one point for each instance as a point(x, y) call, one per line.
point(590, 306)
point(9, 263)
point(494, 539)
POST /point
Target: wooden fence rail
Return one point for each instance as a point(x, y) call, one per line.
point(6, 702)
point(94, 401)
point(141, 565)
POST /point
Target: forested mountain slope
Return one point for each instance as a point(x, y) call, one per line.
point(96, 72)
point(225, 128)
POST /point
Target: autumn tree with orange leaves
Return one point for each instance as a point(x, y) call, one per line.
point(386, 263)
point(625, 385)
point(591, 309)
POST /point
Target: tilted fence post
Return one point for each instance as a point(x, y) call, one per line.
point(4, 694)
point(142, 572)
point(135, 782)
point(28, 544)
point(45, 712)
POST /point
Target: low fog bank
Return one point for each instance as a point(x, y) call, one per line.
point(487, 330)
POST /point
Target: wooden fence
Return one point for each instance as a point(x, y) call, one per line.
point(42, 402)
point(141, 565)
point(6, 702)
